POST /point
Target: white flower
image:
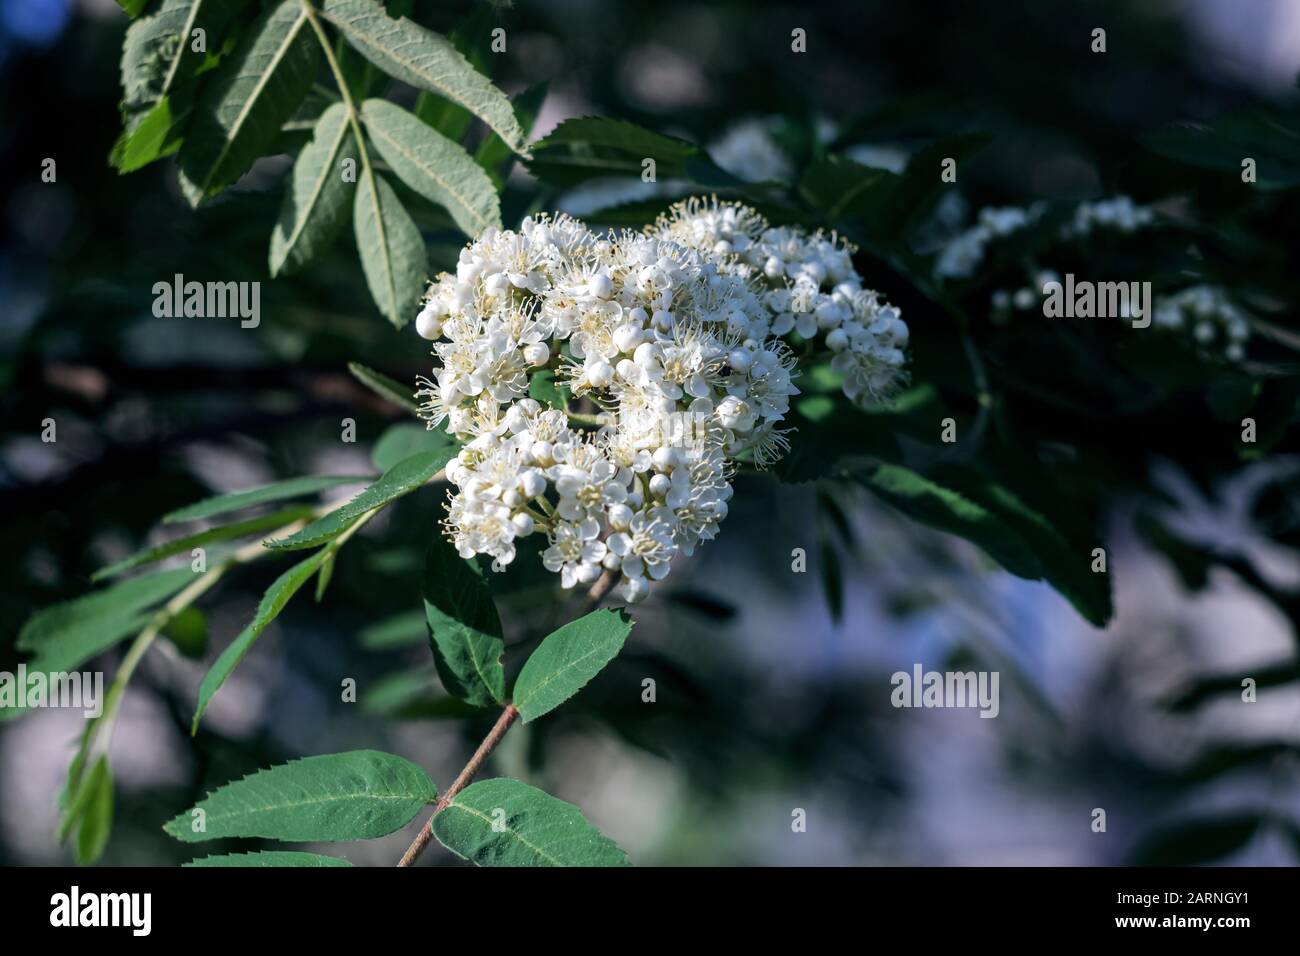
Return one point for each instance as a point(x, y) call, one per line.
point(586, 482)
point(647, 548)
point(575, 553)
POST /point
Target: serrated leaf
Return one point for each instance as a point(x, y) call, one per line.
point(464, 629)
point(318, 200)
point(837, 187)
point(276, 491)
point(356, 795)
point(592, 146)
point(392, 252)
point(1012, 533)
point(240, 112)
point(385, 387)
point(273, 601)
point(435, 167)
point(239, 529)
point(425, 60)
point(947, 510)
point(568, 659)
point(406, 439)
point(472, 36)
point(158, 52)
point(155, 134)
point(268, 858)
point(65, 636)
point(507, 823)
point(401, 479)
point(1064, 564)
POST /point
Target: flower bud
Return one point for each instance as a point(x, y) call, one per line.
point(427, 323)
point(600, 285)
point(739, 359)
point(599, 373)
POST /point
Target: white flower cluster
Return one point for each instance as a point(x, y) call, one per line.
point(673, 337)
point(1207, 311)
point(808, 287)
point(961, 256)
point(1213, 318)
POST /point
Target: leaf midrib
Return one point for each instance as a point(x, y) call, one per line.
point(378, 131)
point(434, 79)
point(190, 19)
point(546, 681)
point(318, 188)
point(513, 832)
point(317, 801)
point(229, 141)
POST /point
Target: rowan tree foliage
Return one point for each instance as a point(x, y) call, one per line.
point(823, 326)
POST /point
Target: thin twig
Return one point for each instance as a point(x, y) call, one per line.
point(594, 596)
point(599, 590)
point(460, 783)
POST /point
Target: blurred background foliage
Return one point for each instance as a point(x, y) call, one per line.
point(772, 687)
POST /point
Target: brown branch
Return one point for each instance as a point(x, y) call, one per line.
point(599, 590)
point(460, 783)
point(594, 597)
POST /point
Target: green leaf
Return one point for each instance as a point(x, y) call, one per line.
point(90, 812)
point(155, 134)
point(435, 167)
point(507, 823)
point(1062, 563)
point(132, 8)
point(276, 491)
point(567, 659)
point(406, 439)
point(272, 603)
point(323, 578)
point(1018, 537)
point(838, 187)
point(942, 508)
point(356, 795)
point(591, 146)
point(401, 479)
point(239, 529)
point(268, 858)
point(239, 113)
point(464, 628)
point(392, 252)
point(65, 636)
point(425, 60)
point(472, 36)
point(1270, 138)
point(158, 52)
point(400, 395)
point(318, 200)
